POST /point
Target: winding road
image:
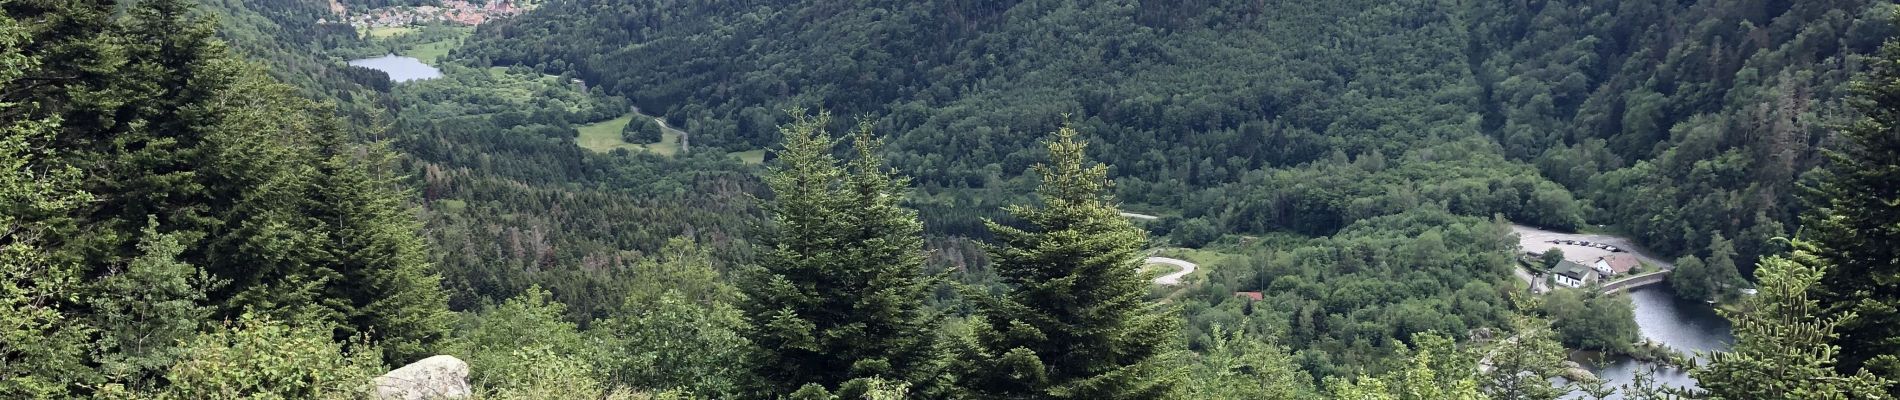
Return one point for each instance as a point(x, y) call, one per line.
point(1174, 278)
point(1144, 217)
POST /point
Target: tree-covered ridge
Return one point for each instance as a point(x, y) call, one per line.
point(176, 223)
point(1671, 121)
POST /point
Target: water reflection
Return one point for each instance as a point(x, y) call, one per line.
point(1684, 325)
point(399, 68)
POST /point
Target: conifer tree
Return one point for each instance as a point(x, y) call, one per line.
point(1782, 348)
point(144, 312)
point(42, 347)
point(200, 160)
point(1073, 323)
point(1855, 222)
point(393, 291)
point(839, 294)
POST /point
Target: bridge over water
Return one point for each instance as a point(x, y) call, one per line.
point(1636, 281)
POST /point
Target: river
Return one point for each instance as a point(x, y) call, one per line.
point(399, 68)
point(1684, 325)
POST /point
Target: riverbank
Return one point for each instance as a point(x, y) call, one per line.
point(1686, 329)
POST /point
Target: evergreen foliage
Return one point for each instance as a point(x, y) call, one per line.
point(838, 296)
point(167, 164)
point(1072, 322)
point(1783, 343)
point(210, 191)
point(43, 347)
point(1855, 222)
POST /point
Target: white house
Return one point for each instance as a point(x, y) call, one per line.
point(1572, 274)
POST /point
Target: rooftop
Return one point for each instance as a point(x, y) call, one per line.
point(1571, 269)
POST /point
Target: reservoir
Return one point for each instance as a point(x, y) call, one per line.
point(1687, 326)
point(400, 69)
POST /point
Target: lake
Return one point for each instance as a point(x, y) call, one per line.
point(399, 68)
point(1684, 325)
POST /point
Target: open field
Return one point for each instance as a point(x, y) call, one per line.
point(383, 32)
point(754, 157)
point(604, 137)
point(431, 52)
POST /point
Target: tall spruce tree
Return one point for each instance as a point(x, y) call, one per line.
point(1855, 222)
point(1782, 348)
point(838, 296)
point(1073, 323)
point(394, 295)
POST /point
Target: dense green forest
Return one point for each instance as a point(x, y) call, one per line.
point(1671, 121)
point(201, 199)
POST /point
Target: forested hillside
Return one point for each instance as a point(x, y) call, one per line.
point(1672, 121)
point(939, 199)
point(1677, 123)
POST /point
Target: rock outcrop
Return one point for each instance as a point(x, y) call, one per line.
point(439, 377)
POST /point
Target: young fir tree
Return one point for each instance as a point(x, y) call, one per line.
point(1855, 222)
point(144, 312)
point(839, 294)
point(1782, 348)
point(1073, 323)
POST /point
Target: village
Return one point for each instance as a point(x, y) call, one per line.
point(460, 12)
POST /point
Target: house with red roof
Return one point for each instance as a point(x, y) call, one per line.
point(1615, 264)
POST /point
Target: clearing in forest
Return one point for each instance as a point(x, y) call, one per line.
point(604, 137)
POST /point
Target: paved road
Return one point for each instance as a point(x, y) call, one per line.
point(1144, 217)
point(1536, 240)
point(1174, 278)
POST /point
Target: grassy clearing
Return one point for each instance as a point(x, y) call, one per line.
point(754, 157)
point(384, 32)
point(604, 137)
point(432, 52)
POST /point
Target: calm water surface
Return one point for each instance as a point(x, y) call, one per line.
point(399, 68)
point(1684, 325)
